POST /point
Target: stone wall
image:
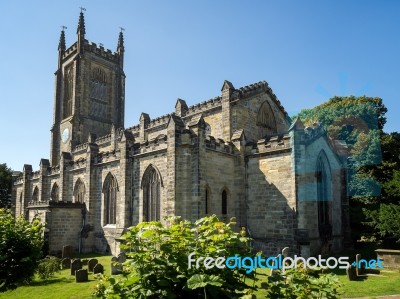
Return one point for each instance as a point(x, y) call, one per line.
point(218, 174)
point(63, 225)
point(271, 198)
point(390, 258)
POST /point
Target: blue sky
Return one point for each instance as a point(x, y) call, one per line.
point(307, 51)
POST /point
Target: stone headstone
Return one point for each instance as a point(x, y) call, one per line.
point(285, 252)
point(98, 268)
point(66, 263)
point(76, 264)
point(68, 251)
point(81, 275)
point(360, 269)
point(116, 267)
point(273, 271)
point(121, 257)
point(351, 273)
point(85, 262)
point(92, 263)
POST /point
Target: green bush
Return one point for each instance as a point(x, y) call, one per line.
point(300, 283)
point(48, 267)
point(20, 250)
point(157, 266)
point(158, 261)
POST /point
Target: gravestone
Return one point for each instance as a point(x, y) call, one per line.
point(116, 267)
point(98, 268)
point(272, 269)
point(81, 275)
point(68, 251)
point(351, 273)
point(285, 252)
point(76, 264)
point(66, 263)
point(121, 257)
point(92, 263)
point(360, 269)
point(84, 262)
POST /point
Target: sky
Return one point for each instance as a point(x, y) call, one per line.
point(307, 51)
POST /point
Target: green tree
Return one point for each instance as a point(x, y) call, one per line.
point(383, 212)
point(5, 186)
point(20, 250)
point(357, 120)
point(374, 160)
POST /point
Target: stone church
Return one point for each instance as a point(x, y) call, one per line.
point(236, 155)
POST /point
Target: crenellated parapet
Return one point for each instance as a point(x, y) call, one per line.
point(106, 157)
point(92, 47)
point(80, 148)
point(76, 164)
point(158, 122)
point(103, 140)
point(101, 51)
point(155, 144)
point(204, 106)
point(270, 144)
point(35, 175)
point(219, 145)
point(53, 170)
point(19, 180)
point(70, 51)
point(313, 132)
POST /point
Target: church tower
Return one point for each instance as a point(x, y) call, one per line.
point(89, 92)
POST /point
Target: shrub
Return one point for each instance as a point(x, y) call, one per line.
point(20, 250)
point(158, 261)
point(48, 267)
point(299, 283)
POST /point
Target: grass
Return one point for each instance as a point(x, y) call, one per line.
point(370, 285)
point(61, 286)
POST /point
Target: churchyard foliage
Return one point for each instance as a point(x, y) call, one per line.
point(157, 266)
point(299, 283)
point(48, 267)
point(20, 249)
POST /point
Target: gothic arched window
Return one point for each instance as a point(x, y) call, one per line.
point(110, 191)
point(55, 193)
point(323, 195)
point(79, 191)
point(224, 202)
point(21, 208)
point(68, 91)
point(35, 195)
point(266, 118)
point(207, 202)
point(151, 185)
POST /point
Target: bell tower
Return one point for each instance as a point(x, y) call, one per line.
point(89, 91)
